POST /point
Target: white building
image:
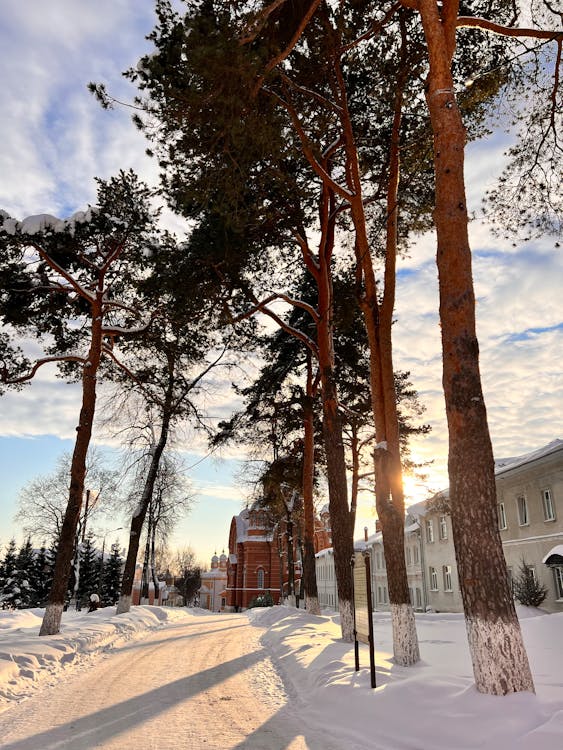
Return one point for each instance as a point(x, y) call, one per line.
point(212, 592)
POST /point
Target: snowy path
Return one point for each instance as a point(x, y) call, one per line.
point(204, 684)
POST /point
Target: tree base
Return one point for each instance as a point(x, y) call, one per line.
point(123, 605)
point(312, 605)
point(346, 620)
point(500, 662)
point(51, 624)
point(405, 639)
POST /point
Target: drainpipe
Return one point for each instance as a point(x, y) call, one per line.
point(425, 602)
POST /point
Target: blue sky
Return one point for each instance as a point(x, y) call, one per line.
point(54, 139)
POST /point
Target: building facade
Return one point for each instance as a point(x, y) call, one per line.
point(213, 589)
point(258, 562)
point(530, 519)
point(256, 565)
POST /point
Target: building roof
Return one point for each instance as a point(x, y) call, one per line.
point(502, 466)
point(508, 464)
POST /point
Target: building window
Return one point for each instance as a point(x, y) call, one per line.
point(443, 527)
point(379, 595)
point(416, 558)
point(429, 530)
point(501, 515)
point(558, 575)
point(547, 502)
point(447, 570)
point(408, 553)
point(260, 578)
point(385, 595)
point(411, 600)
point(433, 579)
point(522, 510)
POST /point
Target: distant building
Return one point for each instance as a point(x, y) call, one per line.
point(212, 592)
point(257, 562)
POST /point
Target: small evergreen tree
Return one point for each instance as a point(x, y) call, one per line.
point(24, 575)
point(9, 592)
point(88, 575)
point(527, 589)
point(42, 575)
point(111, 579)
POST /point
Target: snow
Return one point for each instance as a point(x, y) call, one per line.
point(28, 661)
point(46, 222)
point(41, 222)
point(433, 704)
point(557, 550)
point(507, 464)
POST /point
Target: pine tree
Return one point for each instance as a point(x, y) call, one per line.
point(24, 574)
point(89, 571)
point(111, 580)
point(101, 254)
point(9, 592)
point(42, 575)
point(527, 589)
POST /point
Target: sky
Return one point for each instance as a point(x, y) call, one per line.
point(294, 663)
point(55, 138)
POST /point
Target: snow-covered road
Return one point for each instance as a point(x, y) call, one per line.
point(205, 683)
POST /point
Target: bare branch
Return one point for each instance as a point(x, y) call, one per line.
point(61, 271)
point(39, 363)
point(282, 55)
point(376, 27)
point(308, 150)
point(258, 23)
point(497, 28)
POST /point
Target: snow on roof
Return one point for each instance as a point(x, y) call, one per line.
point(507, 464)
point(243, 525)
point(418, 509)
point(502, 466)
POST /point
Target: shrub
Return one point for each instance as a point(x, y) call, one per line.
point(262, 600)
point(527, 589)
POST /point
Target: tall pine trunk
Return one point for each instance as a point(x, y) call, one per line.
point(342, 531)
point(378, 319)
point(63, 563)
point(500, 662)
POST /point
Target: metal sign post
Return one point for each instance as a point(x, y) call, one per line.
point(363, 621)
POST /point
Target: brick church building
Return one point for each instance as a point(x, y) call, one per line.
point(257, 563)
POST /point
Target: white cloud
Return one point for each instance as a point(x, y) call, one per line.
point(55, 137)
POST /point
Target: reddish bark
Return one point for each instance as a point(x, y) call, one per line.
point(66, 548)
point(378, 320)
point(500, 663)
